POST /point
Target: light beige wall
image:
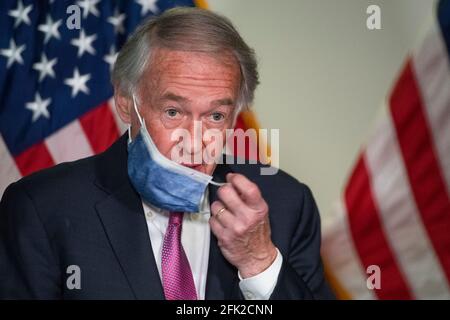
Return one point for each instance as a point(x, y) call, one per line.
point(324, 76)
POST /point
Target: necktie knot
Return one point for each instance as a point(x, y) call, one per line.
point(176, 218)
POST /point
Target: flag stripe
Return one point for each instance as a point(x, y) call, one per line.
point(421, 163)
point(340, 255)
point(239, 145)
point(432, 70)
point(369, 237)
point(8, 168)
point(69, 144)
point(100, 127)
point(400, 218)
point(35, 158)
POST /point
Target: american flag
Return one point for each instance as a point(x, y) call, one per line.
point(395, 208)
point(55, 91)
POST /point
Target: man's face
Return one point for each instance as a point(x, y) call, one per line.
point(191, 91)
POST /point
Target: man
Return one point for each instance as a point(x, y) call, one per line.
point(132, 224)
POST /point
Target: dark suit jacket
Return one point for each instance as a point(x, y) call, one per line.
point(86, 213)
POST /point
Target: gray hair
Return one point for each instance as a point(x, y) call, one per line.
point(185, 29)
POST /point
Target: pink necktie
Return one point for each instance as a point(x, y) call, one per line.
point(178, 282)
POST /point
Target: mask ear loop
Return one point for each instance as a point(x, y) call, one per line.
point(218, 184)
point(129, 134)
point(141, 121)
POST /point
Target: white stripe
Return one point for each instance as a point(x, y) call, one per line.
point(341, 257)
point(400, 217)
point(432, 70)
point(8, 170)
point(120, 124)
point(69, 143)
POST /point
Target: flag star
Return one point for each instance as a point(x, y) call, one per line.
point(50, 29)
point(117, 21)
point(78, 82)
point(111, 57)
point(45, 67)
point(13, 53)
point(39, 107)
point(20, 14)
point(148, 5)
point(84, 43)
point(89, 6)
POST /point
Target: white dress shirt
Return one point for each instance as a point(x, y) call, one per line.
point(195, 237)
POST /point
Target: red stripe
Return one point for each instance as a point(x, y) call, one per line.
point(240, 124)
point(421, 162)
point(100, 127)
point(368, 235)
point(33, 159)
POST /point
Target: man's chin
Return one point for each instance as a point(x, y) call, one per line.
point(205, 168)
point(198, 167)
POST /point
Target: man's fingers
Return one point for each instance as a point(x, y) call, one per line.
point(216, 228)
point(224, 224)
point(249, 192)
point(229, 196)
point(220, 214)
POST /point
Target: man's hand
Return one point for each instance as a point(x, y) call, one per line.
point(240, 221)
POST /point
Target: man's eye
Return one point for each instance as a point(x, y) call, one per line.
point(172, 113)
point(216, 116)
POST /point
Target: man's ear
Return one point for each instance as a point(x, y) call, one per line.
point(124, 106)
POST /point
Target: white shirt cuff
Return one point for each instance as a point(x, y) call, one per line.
point(261, 286)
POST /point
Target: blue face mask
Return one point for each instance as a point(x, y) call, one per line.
point(161, 182)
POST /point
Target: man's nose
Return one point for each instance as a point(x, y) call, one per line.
point(193, 145)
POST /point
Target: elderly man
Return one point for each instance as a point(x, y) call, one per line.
point(132, 223)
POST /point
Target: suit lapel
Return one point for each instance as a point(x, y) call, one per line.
point(123, 219)
point(222, 281)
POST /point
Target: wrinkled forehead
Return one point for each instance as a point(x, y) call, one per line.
point(221, 69)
